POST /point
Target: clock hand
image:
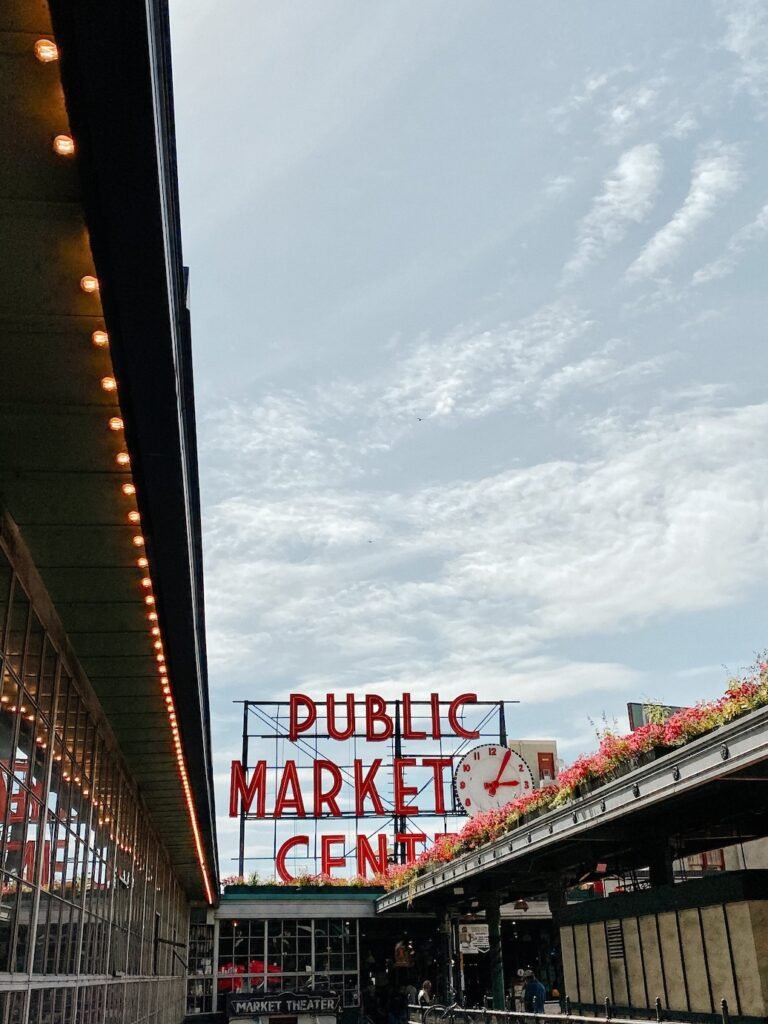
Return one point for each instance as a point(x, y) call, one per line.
point(493, 786)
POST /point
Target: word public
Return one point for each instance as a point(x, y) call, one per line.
point(377, 723)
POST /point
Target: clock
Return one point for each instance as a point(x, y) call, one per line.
point(489, 776)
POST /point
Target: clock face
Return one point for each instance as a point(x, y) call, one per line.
point(489, 776)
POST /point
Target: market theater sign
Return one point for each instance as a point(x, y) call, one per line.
point(376, 724)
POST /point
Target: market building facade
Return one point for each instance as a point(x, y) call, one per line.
point(107, 835)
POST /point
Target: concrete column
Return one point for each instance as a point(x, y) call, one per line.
point(493, 917)
point(557, 901)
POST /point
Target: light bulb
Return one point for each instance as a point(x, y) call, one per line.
point(134, 517)
point(152, 616)
point(89, 284)
point(123, 459)
point(64, 145)
point(109, 384)
point(100, 339)
point(155, 631)
point(114, 423)
point(158, 645)
point(46, 51)
point(142, 563)
point(128, 490)
point(146, 583)
point(149, 599)
point(138, 540)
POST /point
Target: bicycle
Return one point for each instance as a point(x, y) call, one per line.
point(453, 1014)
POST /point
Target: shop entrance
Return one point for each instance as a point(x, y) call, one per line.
point(396, 957)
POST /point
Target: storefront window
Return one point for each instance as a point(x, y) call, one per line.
point(289, 955)
point(85, 886)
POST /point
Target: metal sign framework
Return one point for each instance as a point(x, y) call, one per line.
point(272, 716)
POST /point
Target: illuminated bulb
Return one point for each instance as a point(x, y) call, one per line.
point(152, 616)
point(146, 582)
point(128, 490)
point(109, 384)
point(22, 709)
point(149, 599)
point(166, 689)
point(169, 701)
point(134, 517)
point(138, 540)
point(158, 645)
point(160, 668)
point(114, 423)
point(5, 698)
point(123, 459)
point(142, 563)
point(46, 51)
point(160, 657)
point(64, 145)
point(30, 718)
point(89, 284)
point(100, 339)
point(155, 631)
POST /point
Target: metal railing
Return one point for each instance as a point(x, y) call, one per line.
point(455, 1014)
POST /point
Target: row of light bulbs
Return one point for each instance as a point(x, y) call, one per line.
point(47, 52)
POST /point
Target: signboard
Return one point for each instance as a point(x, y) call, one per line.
point(400, 763)
point(246, 1006)
point(473, 938)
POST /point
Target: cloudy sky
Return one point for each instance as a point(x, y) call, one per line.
point(478, 299)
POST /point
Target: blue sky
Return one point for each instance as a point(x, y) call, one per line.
point(478, 300)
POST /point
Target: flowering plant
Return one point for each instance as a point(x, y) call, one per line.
point(615, 753)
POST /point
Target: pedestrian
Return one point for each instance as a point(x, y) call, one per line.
point(425, 998)
point(534, 994)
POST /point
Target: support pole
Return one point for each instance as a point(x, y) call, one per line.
point(493, 917)
point(244, 762)
point(660, 866)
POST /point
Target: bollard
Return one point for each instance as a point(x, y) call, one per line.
point(659, 1014)
point(607, 1008)
point(724, 1011)
point(567, 1006)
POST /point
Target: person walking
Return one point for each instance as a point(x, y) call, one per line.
point(425, 998)
point(534, 995)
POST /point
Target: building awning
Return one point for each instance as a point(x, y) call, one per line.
point(109, 211)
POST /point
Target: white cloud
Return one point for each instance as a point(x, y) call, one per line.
point(628, 110)
point(469, 374)
point(684, 126)
point(596, 371)
point(474, 579)
point(715, 175)
point(583, 96)
point(746, 37)
point(744, 239)
point(558, 186)
point(627, 198)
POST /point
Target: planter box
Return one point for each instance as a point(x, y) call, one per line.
point(244, 889)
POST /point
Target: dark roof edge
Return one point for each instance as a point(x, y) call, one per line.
point(116, 73)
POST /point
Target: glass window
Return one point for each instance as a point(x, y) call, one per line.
point(75, 843)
